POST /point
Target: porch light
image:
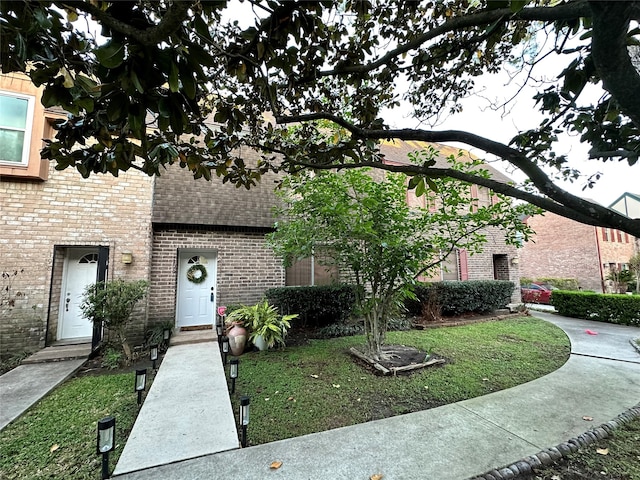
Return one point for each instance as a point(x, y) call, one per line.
point(106, 440)
point(141, 383)
point(225, 349)
point(233, 373)
point(153, 354)
point(127, 258)
point(244, 418)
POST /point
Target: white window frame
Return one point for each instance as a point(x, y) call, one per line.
point(26, 145)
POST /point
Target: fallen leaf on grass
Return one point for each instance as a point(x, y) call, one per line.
point(314, 376)
point(602, 451)
point(377, 476)
point(275, 465)
point(335, 386)
point(54, 448)
point(587, 419)
point(555, 477)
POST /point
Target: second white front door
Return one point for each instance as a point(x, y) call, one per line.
point(79, 271)
point(196, 299)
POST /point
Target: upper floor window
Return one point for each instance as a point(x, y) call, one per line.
point(16, 121)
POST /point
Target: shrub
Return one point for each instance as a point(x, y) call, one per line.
point(457, 298)
point(611, 308)
point(357, 328)
point(317, 306)
point(559, 283)
point(113, 303)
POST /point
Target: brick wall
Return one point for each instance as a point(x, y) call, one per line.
point(40, 220)
point(562, 248)
point(246, 267)
point(496, 251)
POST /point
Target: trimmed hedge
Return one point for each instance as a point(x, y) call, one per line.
point(317, 306)
point(457, 298)
point(603, 307)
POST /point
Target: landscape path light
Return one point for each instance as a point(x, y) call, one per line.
point(219, 334)
point(141, 383)
point(166, 336)
point(106, 441)
point(233, 373)
point(244, 418)
point(225, 349)
point(153, 354)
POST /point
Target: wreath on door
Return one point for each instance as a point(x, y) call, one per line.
point(196, 273)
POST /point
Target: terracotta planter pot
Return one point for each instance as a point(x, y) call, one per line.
point(237, 339)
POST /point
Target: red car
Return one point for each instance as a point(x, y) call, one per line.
point(534, 293)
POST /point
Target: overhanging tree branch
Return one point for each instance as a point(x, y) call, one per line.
point(563, 203)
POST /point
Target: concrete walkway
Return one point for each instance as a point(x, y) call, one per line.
point(457, 441)
point(186, 414)
point(23, 386)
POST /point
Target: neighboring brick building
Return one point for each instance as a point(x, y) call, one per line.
point(563, 248)
point(59, 230)
point(64, 232)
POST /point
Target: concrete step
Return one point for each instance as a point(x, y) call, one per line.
point(59, 353)
point(186, 414)
point(193, 336)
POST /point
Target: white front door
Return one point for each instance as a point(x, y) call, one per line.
point(196, 295)
point(79, 270)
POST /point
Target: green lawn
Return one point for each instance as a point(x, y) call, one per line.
point(295, 391)
point(57, 437)
point(312, 388)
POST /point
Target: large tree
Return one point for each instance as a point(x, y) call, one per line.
point(365, 227)
point(183, 81)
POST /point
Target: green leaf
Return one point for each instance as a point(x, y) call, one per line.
point(174, 80)
point(111, 55)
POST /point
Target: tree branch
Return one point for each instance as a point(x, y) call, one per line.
point(562, 202)
point(171, 20)
point(561, 12)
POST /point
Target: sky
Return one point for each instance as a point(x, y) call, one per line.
point(477, 117)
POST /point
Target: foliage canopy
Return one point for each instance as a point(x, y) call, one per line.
point(186, 82)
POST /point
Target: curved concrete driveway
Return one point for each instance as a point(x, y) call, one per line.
point(600, 380)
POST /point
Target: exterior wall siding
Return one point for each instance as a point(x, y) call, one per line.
point(39, 220)
point(246, 267)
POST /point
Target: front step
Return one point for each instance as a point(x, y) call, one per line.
point(59, 353)
point(193, 336)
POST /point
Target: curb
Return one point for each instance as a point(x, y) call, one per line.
point(526, 466)
point(635, 345)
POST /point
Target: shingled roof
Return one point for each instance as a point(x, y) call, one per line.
point(398, 151)
point(179, 199)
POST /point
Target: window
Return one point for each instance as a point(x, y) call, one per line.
point(16, 120)
point(605, 234)
point(619, 236)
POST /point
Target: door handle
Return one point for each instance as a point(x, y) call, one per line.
point(66, 306)
point(212, 295)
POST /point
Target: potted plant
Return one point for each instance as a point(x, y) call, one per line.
point(266, 326)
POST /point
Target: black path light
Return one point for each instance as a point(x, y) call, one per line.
point(166, 335)
point(219, 334)
point(244, 418)
point(153, 355)
point(225, 349)
point(233, 373)
point(106, 442)
point(141, 383)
